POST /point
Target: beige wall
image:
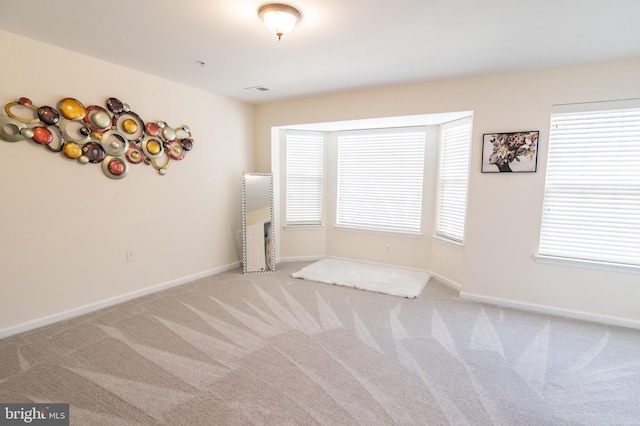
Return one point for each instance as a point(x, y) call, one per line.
point(504, 211)
point(64, 227)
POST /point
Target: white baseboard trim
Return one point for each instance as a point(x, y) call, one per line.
point(446, 281)
point(545, 309)
point(41, 322)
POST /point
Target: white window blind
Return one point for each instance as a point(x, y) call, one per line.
point(455, 138)
point(304, 153)
point(380, 180)
point(591, 207)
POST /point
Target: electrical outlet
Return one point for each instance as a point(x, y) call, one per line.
point(387, 248)
point(131, 255)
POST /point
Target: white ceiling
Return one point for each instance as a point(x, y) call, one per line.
point(339, 44)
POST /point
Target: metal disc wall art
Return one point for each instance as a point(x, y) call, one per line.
point(114, 136)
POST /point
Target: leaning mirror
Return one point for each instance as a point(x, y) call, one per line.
point(258, 249)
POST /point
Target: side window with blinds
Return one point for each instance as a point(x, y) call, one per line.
point(380, 180)
point(303, 178)
point(591, 208)
point(455, 142)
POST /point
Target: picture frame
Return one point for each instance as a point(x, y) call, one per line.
point(510, 152)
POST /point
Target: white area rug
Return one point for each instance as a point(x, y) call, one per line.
point(390, 280)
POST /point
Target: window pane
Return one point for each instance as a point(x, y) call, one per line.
point(591, 205)
point(380, 180)
point(455, 140)
point(304, 153)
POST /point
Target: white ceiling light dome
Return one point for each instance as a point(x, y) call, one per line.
point(280, 19)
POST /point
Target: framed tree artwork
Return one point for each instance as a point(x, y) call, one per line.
point(510, 152)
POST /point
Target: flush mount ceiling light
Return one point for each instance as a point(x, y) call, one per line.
point(279, 18)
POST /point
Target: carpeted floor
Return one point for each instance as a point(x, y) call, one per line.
point(274, 350)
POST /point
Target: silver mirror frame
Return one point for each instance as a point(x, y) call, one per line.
point(271, 266)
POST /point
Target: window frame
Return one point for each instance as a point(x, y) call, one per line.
point(350, 211)
point(294, 137)
point(457, 218)
point(582, 185)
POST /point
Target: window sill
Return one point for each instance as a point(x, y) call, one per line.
point(377, 231)
point(590, 264)
point(449, 242)
point(303, 227)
